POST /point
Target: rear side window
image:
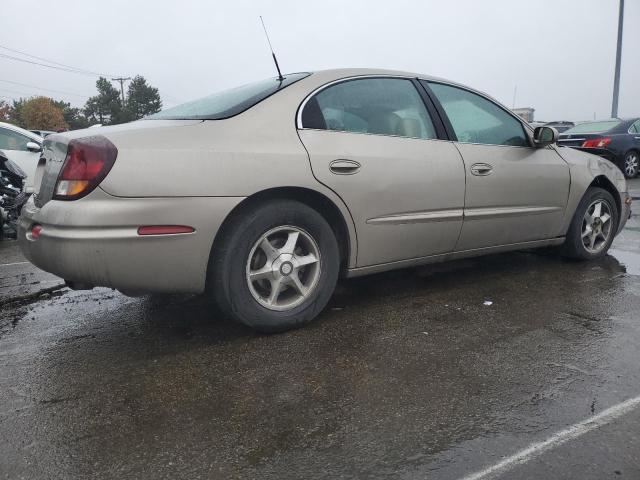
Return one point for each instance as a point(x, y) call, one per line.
point(227, 103)
point(593, 127)
point(380, 106)
point(635, 127)
point(477, 120)
point(10, 140)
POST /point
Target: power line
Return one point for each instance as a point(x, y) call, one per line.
point(21, 93)
point(46, 89)
point(16, 91)
point(66, 67)
point(10, 57)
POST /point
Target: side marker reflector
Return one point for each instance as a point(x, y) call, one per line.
point(164, 229)
point(35, 232)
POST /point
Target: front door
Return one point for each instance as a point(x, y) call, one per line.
point(515, 192)
point(373, 142)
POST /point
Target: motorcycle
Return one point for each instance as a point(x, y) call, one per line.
point(12, 196)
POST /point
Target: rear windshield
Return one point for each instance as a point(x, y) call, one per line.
point(227, 103)
point(594, 127)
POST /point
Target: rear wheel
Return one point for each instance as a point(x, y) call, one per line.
point(631, 164)
point(593, 226)
point(276, 266)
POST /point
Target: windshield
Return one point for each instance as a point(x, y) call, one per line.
point(594, 127)
point(227, 103)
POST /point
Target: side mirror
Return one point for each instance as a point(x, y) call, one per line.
point(543, 136)
point(34, 147)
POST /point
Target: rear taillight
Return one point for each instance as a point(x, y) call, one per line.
point(88, 161)
point(597, 143)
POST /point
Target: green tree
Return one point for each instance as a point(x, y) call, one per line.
point(142, 98)
point(15, 114)
point(73, 116)
point(5, 111)
point(106, 107)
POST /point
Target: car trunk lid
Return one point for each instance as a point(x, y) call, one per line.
point(577, 139)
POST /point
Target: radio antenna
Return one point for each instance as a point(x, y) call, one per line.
point(275, 60)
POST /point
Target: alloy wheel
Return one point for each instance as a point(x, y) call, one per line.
point(631, 163)
point(597, 226)
point(283, 268)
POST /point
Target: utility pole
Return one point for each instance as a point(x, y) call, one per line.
point(122, 80)
point(616, 78)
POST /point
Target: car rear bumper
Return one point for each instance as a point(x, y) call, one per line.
point(94, 241)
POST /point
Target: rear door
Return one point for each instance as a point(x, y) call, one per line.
point(515, 192)
point(374, 142)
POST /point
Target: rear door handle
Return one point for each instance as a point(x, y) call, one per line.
point(481, 169)
point(344, 167)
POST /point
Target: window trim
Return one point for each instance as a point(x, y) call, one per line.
point(429, 106)
point(526, 128)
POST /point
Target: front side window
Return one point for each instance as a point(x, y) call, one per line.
point(10, 140)
point(380, 106)
point(227, 103)
point(477, 120)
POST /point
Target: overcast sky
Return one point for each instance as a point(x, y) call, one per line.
point(559, 53)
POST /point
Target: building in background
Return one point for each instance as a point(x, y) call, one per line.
point(526, 113)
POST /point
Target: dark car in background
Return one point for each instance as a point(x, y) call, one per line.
point(560, 126)
point(616, 140)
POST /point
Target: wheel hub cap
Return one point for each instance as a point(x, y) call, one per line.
point(597, 226)
point(283, 268)
point(286, 268)
point(631, 165)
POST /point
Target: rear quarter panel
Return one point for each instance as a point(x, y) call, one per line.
point(254, 151)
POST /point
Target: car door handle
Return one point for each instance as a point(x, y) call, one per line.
point(481, 169)
point(344, 167)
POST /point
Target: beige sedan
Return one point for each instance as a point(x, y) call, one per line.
point(263, 195)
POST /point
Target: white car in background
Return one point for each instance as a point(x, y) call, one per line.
point(42, 133)
point(23, 147)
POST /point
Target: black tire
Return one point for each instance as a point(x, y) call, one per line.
point(630, 164)
point(228, 274)
point(574, 246)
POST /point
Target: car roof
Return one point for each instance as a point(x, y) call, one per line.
point(343, 73)
point(24, 132)
point(338, 73)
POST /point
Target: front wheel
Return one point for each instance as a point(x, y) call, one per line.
point(631, 164)
point(276, 266)
point(593, 227)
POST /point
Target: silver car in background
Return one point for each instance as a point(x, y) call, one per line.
point(263, 195)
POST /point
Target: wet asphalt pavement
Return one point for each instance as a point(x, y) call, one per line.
point(406, 375)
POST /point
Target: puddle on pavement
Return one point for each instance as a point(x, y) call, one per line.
point(630, 260)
